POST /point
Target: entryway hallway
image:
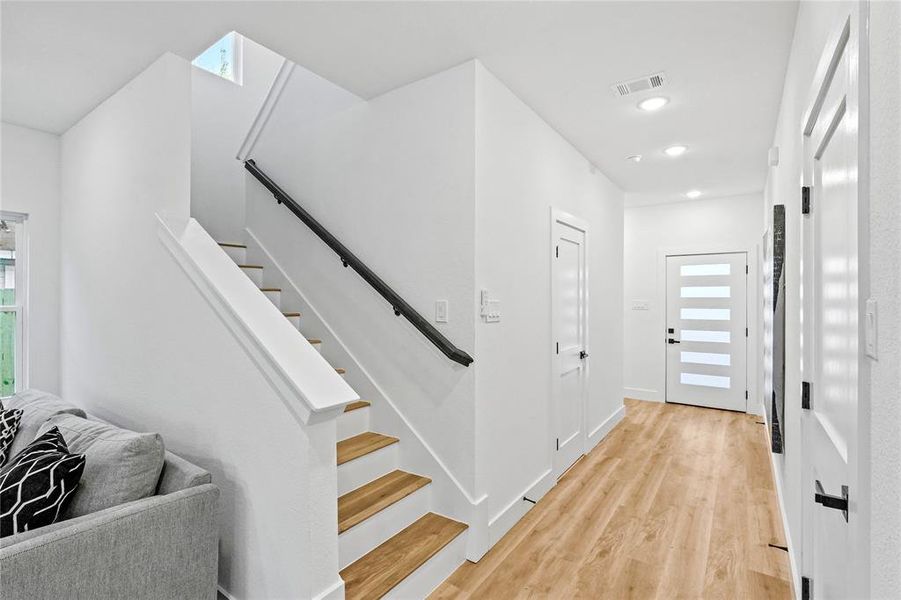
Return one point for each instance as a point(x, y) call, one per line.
point(677, 502)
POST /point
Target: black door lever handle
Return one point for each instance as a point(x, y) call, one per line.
point(672, 341)
point(583, 355)
point(837, 502)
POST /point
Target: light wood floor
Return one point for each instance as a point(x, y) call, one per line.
point(677, 502)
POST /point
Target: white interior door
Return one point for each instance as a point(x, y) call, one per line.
point(830, 336)
point(706, 336)
point(569, 307)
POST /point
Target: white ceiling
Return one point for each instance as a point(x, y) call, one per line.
point(725, 62)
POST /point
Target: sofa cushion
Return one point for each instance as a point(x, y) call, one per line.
point(38, 483)
point(9, 424)
point(36, 407)
point(122, 465)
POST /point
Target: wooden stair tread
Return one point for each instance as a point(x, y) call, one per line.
point(270, 289)
point(340, 371)
point(314, 340)
point(251, 266)
point(291, 314)
point(358, 505)
point(361, 445)
point(231, 245)
point(376, 573)
point(356, 405)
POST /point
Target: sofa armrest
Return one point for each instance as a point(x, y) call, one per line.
point(159, 548)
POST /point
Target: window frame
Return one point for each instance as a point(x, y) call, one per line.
point(19, 221)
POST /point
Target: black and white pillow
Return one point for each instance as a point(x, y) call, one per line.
point(9, 425)
point(37, 484)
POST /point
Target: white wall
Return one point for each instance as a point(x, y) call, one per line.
point(523, 168)
point(221, 114)
point(715, 224)
point(143, 349)
point(885, 286)
point(30, 184)
point(393, 179)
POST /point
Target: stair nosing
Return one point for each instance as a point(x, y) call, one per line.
point(232, 245)
point(383, 442)
point(357, 404)
point(250, 266)
point(382, 500)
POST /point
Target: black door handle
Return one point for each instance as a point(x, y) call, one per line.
point(837, 502)
point(672, 341)
point(583, 355)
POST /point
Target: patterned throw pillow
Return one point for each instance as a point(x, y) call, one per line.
point(38, 483)
point(9, 425)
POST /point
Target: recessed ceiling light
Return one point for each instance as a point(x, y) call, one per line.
point(652, 104)
point(675, 150)
point(693, 194)
point(634, 158)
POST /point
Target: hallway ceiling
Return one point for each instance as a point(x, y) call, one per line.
point(724, 61)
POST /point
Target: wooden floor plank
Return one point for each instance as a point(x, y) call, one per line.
point(676, 502)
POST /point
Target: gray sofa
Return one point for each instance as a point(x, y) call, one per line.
point(164, 547)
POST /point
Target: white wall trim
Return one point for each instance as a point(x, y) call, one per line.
point(601, 431)
point(793, 565)
point(638, 393)
point(269, 103)
point(510, 515)
point(307, 385)
point(334, 592)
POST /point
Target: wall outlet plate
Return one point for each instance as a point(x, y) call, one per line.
point(441, 311)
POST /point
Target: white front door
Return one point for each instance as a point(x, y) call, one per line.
point(569, 303)
point(831, 308)
point(706, 335)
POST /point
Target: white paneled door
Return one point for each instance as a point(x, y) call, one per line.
point(706, 335)
point(830, 489)
point(570, 314)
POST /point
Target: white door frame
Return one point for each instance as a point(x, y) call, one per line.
point(851, 32)
point(22, 367)
point(559, 216)
point(754, 404)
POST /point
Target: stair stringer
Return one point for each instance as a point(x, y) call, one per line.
point(448, 496)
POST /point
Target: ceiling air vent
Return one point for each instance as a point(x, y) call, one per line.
point(651, 82)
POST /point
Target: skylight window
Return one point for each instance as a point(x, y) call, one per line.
point(223, 58)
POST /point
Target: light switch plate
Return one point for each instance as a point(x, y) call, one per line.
point(870, 328)
point(441, 311)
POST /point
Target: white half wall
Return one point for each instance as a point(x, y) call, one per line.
point(523, 169)
point(221, 115)
point(142, 348)
point(732, 224)
point(30, 184)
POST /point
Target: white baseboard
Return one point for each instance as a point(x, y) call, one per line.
point(643, 394)
point(517, 508)
point(601, 431)
point(793, 565)
point(333, 592)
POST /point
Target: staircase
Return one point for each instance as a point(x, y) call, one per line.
point(389, 543)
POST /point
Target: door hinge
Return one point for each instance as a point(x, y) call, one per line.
point(558, 347)
point(746, 270)
point(746, 394)
point(806, 400)
point(558, 443)
point(806, 588)
point(805, 200)
point(557, 252)
point(746, 332)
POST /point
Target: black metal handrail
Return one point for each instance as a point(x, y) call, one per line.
point(348, 259)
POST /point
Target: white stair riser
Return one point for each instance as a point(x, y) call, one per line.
point(353, 423)
point(274, 297)
point(239, 255)
point(423, 581)
point(295, 321)
point(365, 536)
point(255, 275)
point(360, 471)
